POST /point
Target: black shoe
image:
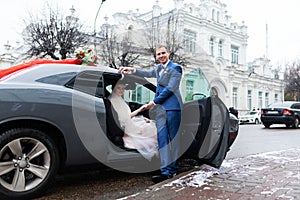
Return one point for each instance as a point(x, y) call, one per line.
point(118, 141)
point(160, 178)
point(128, 149)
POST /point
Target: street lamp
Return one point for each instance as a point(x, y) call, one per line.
point(95, 25)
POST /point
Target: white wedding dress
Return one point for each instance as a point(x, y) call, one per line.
point(139, 134)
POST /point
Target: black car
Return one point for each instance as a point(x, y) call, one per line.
point(287, 113)
point(54, 116)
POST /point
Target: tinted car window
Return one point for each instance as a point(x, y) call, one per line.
point(58, 79)
point(296, 106)
point(252, 113)
point(136, 93)
point(90, 82)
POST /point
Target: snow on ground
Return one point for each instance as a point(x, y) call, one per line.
point(198, 178)
point(243, 166)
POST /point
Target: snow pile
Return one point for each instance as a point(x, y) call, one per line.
point(194, 179)
point(200, 176)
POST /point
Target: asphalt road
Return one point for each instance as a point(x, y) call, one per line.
point(104, 185)
point(253, 139)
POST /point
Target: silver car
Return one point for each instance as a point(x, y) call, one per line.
point(54, 116)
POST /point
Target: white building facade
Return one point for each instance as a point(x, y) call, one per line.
point(212, 44)
point(215, 45)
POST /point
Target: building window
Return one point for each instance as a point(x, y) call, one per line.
point(276, 97)
point(136, 94)
point(189, 89)
point(266, 99)
point(130, 33)
point(249, 99)
point(211, 46)
point(234, 54)
point(194, 82)
point(215, 91)
point(189, 40)
point(218, 16)
point(260, 99)
point(220, 48)
point(213, 14)
point(234, 97)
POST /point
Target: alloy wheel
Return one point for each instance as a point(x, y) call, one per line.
point(24, 164)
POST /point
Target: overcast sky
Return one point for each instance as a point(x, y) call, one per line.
point(282, 19)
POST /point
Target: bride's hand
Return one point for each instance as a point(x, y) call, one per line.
point(142, 108)
point(147, 106)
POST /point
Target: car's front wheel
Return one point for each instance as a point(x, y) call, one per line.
point(28, 162)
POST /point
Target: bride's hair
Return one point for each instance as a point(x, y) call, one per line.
point(118, 83)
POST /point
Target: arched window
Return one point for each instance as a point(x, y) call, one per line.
point(220, 48)
point(234, 54)
point(235, 97)
point(213, 14)
point(215, 91)
point(190, 38)
point(129, 33)
point(218, 16)
point(211, 46)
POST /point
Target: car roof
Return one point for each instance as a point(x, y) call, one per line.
point(285, 104)
point(37, 71)
point(32, 74)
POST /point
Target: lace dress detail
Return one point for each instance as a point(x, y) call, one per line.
point(139, 133)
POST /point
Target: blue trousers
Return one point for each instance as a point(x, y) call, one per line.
point(168, 123)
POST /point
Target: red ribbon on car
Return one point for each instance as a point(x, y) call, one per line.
point(16, 68)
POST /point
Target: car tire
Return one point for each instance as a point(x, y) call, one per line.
point(267, 125)
point(29, 160)
point(256, 121)
point(296, 123)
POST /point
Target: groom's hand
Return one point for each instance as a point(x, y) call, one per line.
point(149, 105)
point(126, 70)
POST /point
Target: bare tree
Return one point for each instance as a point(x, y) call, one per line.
point(125, 50)
point(170, 36)
point(116, 51)
point(128, 57)
point(292, 80)
point(54, 35)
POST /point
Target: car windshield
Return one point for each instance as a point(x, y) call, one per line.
point(194, 86)
point(252, 113)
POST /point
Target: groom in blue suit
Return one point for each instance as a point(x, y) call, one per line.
point(168, 114)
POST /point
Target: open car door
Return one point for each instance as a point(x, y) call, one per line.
point(205, 122)
point(204, 127)
point(205, 130)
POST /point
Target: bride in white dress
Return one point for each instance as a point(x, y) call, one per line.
point(140, 132)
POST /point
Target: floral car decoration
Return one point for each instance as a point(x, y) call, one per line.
point(88, 56)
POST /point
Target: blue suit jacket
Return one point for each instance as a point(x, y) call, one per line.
point(167, 89)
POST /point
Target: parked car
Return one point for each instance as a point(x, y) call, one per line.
point(54, 116)
point(233, 128)
point(287, 113)
point(250, 117)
